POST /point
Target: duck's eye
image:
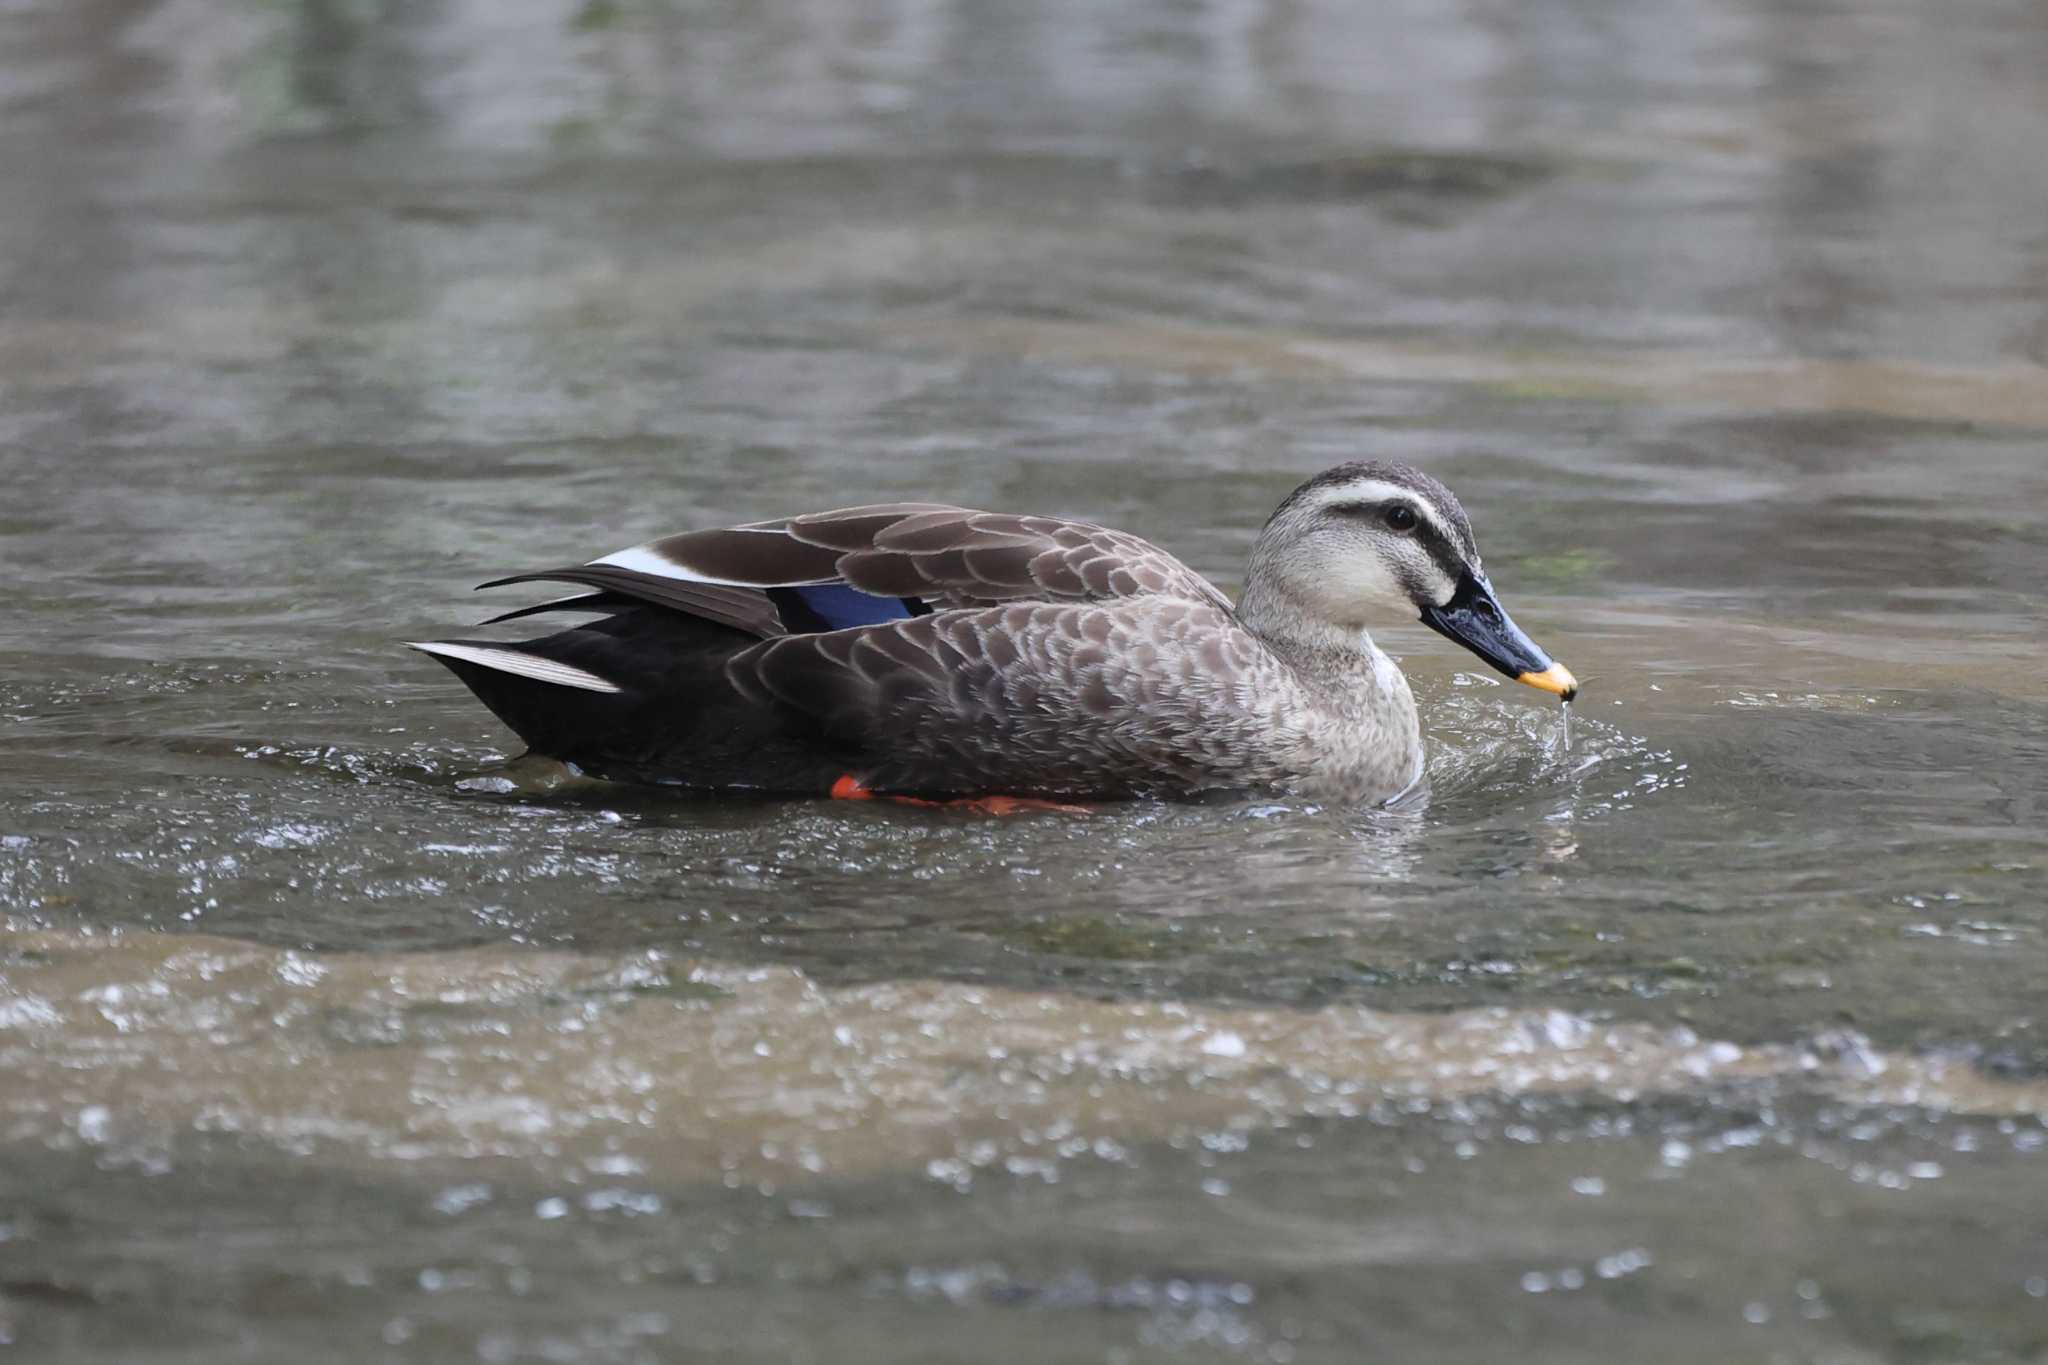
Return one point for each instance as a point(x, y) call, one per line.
point(1400, 517)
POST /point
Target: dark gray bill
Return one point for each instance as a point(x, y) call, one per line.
point(1474, 618)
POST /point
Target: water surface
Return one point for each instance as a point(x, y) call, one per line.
point(1716, 1036)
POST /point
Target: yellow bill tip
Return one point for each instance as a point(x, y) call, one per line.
point(1556, 678)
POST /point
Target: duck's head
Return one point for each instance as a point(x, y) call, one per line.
point(1366, 543)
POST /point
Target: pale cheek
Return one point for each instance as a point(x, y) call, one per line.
point(1354, 590)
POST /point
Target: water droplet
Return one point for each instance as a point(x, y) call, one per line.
point(1224, 1044)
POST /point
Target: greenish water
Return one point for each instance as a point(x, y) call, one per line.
point(1718, 1036)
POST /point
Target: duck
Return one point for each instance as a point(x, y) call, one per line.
point(927, 652)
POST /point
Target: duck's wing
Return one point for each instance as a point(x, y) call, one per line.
point(859, 566)
point(1027, 698)
point(955, 556)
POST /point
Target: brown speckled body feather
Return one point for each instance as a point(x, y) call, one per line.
point(1143, 695)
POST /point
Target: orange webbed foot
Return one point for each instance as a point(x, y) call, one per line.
point(850, 788)
point(1012, 805)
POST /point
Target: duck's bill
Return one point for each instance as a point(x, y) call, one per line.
point(1475, 619)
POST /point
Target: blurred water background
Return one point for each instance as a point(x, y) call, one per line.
point(1719, 1037)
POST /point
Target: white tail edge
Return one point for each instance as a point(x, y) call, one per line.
point(512, 661)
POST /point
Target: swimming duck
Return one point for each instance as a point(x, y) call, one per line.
point(932, 651)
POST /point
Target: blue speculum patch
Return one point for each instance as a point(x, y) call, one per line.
point(835, 606)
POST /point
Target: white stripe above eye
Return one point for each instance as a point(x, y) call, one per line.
point(524, 665)
point(1379, 490)
point(643, 559)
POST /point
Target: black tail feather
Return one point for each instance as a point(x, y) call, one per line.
point(674, 719)
point(584, 601)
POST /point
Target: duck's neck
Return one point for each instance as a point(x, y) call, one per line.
point(1364, 736)
point(1339, 658)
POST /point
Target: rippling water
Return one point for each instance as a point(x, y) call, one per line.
point(329, 1032)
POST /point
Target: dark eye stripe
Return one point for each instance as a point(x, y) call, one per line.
point(1440, 547)
point(1372, 510)
point(1441, 550)
point(1448, 556)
